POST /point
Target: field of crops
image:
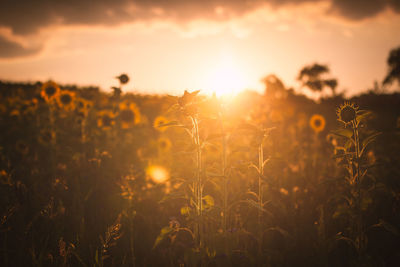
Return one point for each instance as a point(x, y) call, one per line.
point(89, 178)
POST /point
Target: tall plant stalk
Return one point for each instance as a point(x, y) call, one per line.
point(260, 175)
point(357, 185)
point(198, 187)
point(224, 187)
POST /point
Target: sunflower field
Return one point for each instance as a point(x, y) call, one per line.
point(89, 178)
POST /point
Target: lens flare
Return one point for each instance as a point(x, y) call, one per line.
point(157, 173)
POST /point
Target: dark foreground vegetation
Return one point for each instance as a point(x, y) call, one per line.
point(95, 179)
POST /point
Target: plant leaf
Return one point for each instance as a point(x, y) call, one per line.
point(165, 231)
point(368, 140)
point(346, 133)
point(209, 202)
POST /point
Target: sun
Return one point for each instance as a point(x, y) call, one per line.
point(226, 77)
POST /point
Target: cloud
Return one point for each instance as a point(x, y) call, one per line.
point(361, 9)
point(27, 17)
point(11, 49)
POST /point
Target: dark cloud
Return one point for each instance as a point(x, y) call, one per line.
point(359, 9)
point(10, 49)
point(25, 17)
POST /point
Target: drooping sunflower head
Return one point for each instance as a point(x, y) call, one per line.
point(49, 91)
point(105, 119)
point(189, 103)
point(28, 106)
point(164, 144)
point(159, 122)
point(347, 112)
point(47, 136)
point(317, 123)
point(66, 100)
point(83, 106)
point(22, 147)
point(129, 114)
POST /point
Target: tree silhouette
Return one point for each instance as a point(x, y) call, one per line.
point(394, 67)
point(311, 77)
point(274, 87)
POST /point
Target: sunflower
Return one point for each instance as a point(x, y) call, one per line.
point(28, 106)
point(3, 108)
point(164, 144)
point(49, 91)
point(188, 103)
point(82, 106)
point(347, 113)
point(47, 136)
point(123, 78)
point(66, 100)
point(317, 123)
point(22, 147)
point(129, 114)
point(158, 122)
point(105, 119)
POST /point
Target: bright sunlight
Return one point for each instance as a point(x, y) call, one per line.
point(226, 77)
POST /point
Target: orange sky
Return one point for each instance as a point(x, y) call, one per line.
point(164, 55)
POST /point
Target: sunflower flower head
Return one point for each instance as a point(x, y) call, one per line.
point(187, 98)
point(129, 114)
point(188, 103)
point(347, 113)
point(105, 119)
point(164, 144)
point(317, 123)
point(66, 100)
point(123, 78)
point(83, 106)
point(28, 106)
point(22, 147)
point(159, 122)
point(49, 91)
point(47, 137)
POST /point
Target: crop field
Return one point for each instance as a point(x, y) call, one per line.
point(89, 178)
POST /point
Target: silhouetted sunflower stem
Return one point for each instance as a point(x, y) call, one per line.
point(52, 122)
point(260, 196)
point(357, 183)
point(198, 187)
point(225, 185)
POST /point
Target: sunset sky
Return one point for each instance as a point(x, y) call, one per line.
point(168, 46)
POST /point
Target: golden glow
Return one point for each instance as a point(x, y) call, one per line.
point(226, 78)
point(157, 173)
